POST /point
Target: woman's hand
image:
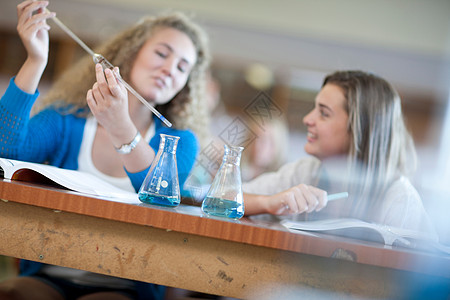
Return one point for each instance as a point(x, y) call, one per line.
point(108, 101)
point(33, 29)
point(296, 200)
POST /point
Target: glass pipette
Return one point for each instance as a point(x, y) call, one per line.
point(98, 58)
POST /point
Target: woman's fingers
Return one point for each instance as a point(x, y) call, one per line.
point(321, 196)
point(292, 201)
point(112, 83)
point(91, 100)
point(40, 19)
point(97, 94)
point(302, 198)
point(26, 16)
point(107, 84)
point(32, 28)
point(308, 197)
point(100, 88)
point(297, 202)
point(25, 10)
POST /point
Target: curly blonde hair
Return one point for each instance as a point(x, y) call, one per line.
point(187, 110)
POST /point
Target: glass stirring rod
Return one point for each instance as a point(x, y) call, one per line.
point(98, 58)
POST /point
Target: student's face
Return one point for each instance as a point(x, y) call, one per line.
point(163, 65)
point(328, 134)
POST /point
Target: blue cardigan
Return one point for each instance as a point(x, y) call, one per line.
point(54, 137)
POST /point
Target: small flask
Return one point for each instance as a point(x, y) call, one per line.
point(161, 186)
point(224, 198)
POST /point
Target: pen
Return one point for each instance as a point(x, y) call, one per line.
point(337, 196)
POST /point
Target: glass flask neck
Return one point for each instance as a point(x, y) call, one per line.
point(168, 143)
point(232, 155)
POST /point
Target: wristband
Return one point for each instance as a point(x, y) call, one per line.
point(127, 148)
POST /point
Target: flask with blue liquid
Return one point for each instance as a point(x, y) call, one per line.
point(161, 185)
point(224, 198)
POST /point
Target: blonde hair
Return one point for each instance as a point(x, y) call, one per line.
point(186, 110)
point(381, 147)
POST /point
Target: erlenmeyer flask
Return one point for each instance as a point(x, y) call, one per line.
point(224, 198)
point(161, 186)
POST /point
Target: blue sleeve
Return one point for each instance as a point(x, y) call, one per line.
point(15, 109)
point(20, 137)
point(45, 137)
point(186, 154)
point(17, 101)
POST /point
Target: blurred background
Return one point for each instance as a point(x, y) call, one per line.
point(281, 50)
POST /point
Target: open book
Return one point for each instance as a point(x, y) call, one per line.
point(77, 181)
point(362, 230)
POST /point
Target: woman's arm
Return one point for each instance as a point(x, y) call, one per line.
point(33, 31)
point(186, 155)
point(25, 140)
point(279, 193)
point(296, 200)
point(108, 101)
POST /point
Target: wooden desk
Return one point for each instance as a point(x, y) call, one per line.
point(181, 248)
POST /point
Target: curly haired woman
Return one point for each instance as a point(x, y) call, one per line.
point(88, 118)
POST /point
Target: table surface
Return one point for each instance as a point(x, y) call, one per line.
point(188, 219)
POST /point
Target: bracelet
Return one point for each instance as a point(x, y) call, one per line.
point(127, 148)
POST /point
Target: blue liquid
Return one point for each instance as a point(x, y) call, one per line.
point(223, 208)
point(156, 199)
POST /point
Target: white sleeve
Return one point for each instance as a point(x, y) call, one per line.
point(403, 208)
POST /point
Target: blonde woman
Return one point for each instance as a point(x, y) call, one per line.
point(89, 122)
point(358, 143)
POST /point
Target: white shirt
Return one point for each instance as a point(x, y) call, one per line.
point(86, 164)
point(402, 206)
